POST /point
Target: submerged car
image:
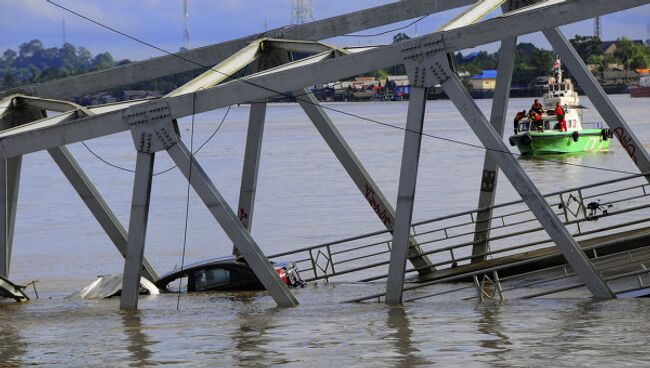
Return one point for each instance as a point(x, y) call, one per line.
point(227, 274)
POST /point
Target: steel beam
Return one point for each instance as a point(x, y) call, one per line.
point(9, 185)
point(10, 169)
point(221, 71)
point(209, 55)
point(406, 194)
point(137, 231)
point(231, 225)
point(475, 12)
point(37, 103)
point(358, 173)
point(622, 131)
point(526, 188)
point(5, 247)
point(96, 204)
point(41, 136)
point(490, 176)
point(251, 166)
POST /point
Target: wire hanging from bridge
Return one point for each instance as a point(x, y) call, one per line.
point(126, 169)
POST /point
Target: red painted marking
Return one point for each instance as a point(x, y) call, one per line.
point(626, 142)
point(242, 215)
point(376, 205)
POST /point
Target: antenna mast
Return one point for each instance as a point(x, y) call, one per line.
point(186, 31)
point(302, 11)
point(598, 31)
point(63, 31)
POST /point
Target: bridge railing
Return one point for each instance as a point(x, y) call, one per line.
point(589, 212)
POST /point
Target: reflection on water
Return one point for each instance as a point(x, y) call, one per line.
point(138, 342)
point(495, 342)
point(251, 342)
point(12, 346)
point(398, 321)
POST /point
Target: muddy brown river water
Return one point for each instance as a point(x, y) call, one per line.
point(304, 198)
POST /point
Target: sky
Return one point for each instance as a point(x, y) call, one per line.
point(160, 22)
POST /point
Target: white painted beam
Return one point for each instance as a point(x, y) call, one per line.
point(221, 71)
point(481, 9)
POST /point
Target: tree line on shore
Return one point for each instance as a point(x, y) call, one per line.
point(33, 63)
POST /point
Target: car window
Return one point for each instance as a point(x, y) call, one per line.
point(210, 277)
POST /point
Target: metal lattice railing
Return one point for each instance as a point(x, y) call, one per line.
point(589, 212)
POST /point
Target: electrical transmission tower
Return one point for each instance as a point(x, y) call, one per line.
point(598, 32)
point(186, 31)
point(302, 11)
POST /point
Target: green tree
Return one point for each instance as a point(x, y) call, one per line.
point(631, 54)
point(587, 46)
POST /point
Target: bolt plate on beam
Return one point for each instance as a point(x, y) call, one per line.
point(487, 184)
point(426, 62)
point(152, 126)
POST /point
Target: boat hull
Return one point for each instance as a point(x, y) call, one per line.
point(640, 92)
point(553, 142)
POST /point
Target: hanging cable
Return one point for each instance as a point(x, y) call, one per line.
point(187, 200)
point(241, 80)
point(126, 169)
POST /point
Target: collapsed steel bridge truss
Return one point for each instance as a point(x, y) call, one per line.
point(25, 128)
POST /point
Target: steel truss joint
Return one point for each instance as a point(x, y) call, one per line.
point(427, 63)
point(152, 126)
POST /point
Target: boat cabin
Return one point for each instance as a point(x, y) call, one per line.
point(557, 90)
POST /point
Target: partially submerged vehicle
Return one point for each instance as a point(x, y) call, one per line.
point(218, 274)
point(545, 136)
point(107, 286)
point(227, 274)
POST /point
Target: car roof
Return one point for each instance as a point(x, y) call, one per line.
point(227, 260)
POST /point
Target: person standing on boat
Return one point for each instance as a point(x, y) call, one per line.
point(535, 115)
point(535, 120)
point(520, 115)
point(537, 107)
point(559, 112)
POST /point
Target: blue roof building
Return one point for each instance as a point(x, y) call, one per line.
point(486, 74)
point(486, 80)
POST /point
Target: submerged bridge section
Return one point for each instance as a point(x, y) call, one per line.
point(434, 248)
point(609, 221)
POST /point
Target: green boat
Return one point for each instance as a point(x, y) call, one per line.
point(545, 136)
point(554, 142)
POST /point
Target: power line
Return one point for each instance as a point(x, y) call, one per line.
point(322, 106)
point(388, 31)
